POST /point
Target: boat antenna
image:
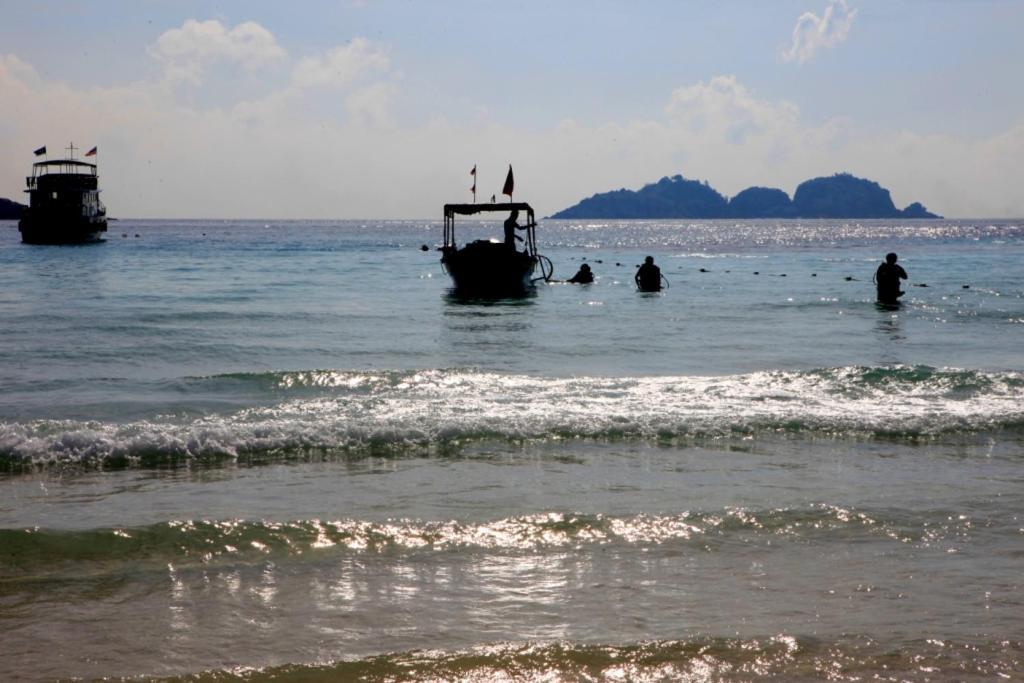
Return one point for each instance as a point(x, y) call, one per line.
point(71, 150)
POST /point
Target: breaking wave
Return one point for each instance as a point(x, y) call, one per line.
point(777, 657)
point(37, 553)
point(359, 413)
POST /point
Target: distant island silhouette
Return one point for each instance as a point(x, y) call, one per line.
point(839, 196)
point(10, 211)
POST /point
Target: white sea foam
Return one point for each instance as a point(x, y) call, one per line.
point(354, 411)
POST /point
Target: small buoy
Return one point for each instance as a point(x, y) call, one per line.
point(921, 285)
point(967, 286)
point(782, 275)
point(728, 271)
point(598, 261)
point(704, 270)
point(848, 278)
point(424, 247)
point(814, 275)
point(124, 234)
point(617, 263)
point(757, 272)
point(136, 234)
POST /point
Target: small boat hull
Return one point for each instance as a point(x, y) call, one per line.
point(489, 268)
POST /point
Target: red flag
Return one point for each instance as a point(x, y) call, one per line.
point(91, 152)
point(41, 151)
point(509, 183)
point(473, 172)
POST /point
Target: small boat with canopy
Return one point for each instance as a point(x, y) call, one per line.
point(492, 267)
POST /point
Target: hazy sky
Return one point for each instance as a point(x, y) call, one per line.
point(379, 109)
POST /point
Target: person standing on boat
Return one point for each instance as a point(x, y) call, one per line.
point(648, 276)
point(511, 225)
point(887, 279)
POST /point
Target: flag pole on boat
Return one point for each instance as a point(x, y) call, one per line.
point(473, 189)
point(509, 184)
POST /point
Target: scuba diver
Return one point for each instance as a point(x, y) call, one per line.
point(583, 276)
point(887, 280)
point(648, 276)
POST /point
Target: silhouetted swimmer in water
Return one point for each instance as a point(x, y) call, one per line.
point(583, 276)
point(648, 276)
point(887, 280)
point(510, 229)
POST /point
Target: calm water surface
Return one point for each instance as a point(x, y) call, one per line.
point(284, 451)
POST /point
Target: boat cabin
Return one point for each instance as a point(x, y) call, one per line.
point(452, 210)
point(64, 183)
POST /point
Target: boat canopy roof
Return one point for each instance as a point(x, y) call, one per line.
point(63, 166)
point(64, 162)
point(469, 209)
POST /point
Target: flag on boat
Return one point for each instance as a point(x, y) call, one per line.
point(41, 151)
point(493, 199)
point(91, 152)
point(473, 172)
point(509, 183)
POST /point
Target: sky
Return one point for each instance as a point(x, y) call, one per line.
point(371, 109)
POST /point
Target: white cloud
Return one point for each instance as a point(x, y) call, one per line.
point(15, 71)
point(813, 33)
point(727, 109)
point(372, 105)
point(265, 153)
point(340, 66)
point(186, 51)
point(316, 81)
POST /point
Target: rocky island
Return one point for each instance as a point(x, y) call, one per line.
point(10, 211)
point(839, 196)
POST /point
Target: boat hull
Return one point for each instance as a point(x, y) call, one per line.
point(489, 269)
point(55, 230)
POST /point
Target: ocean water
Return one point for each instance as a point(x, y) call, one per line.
point(266, 450)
